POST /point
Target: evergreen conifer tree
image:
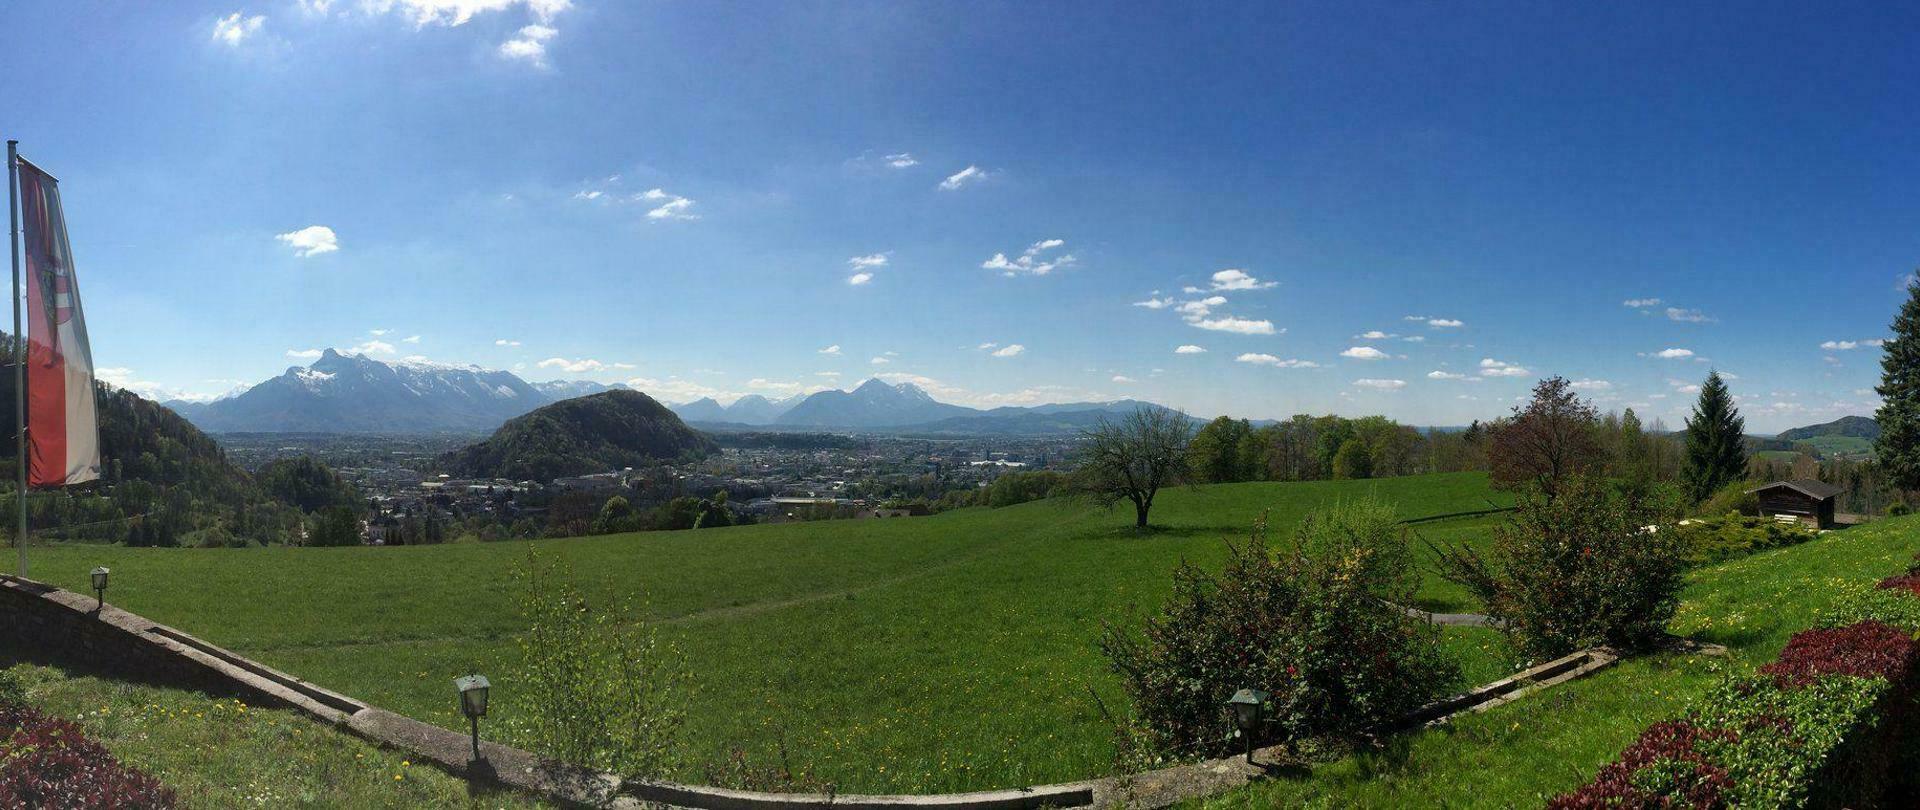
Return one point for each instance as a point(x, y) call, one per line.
point(1898, 449)
point(1716, 448)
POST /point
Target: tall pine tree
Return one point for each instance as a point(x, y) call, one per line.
point(1716, 445)
point(1898, 449)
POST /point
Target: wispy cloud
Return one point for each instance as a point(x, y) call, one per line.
point(1009, 350)
point(668, 206)
point(1241, 326)
point(1189, 349)
point(1687, 315)
point(1032, 261)
point(1263, 359)
point(1383, 385)
point(1364, 353)
point(1490, 367)
point(902, 160)
point(304, 354)
point(1437, 374)
point(506, 342)
point(529, 46)
point(1849, 345)
point(834, 349)
point(1235, 280)
point(579, 366)
point(1641, 303)
point(236, 28)
point(965, 177)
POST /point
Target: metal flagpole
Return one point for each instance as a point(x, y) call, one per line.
point(20, 348)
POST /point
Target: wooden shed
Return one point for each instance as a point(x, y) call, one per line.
point(1805, 500)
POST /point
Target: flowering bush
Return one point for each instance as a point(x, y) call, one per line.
point(47, 762)
point(1314, 625)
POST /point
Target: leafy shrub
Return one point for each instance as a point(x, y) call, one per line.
point(49, 762)
point(602, 690)
point(1864, 650)
point(13, 688)
point(1898, 509)
point(1731, 499)
point(1786, 744)
point(1314, 625)
point(1859, 604)
point(1021, 487)
point(1575, 571)
point(1709, 540)
point(1665, 761)
point(1909, 582)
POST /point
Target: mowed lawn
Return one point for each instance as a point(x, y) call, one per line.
point(952, 652)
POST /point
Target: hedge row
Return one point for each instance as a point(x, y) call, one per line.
point(47, 762)
point(1830, 723)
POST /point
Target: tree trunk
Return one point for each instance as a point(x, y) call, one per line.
point(1140, 515)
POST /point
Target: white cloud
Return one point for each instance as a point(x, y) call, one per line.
point(902, 160)
point(410, 339)
point(868, 262)
point(1189, 349)
point(965, 177)
point(1414, 318)
point(879, 361)
point(234, 28)
point(1490, 367)
point(1235, 279)
point(304, 354)
point(1261, 359)
point(1374, 334)
point(372, 347)
point(1030, 260)
point(1228, 323)
point(1009, 350)
point(834, 349)
point(671, 206)
point(1591, 385)
point(1155, 303)
point(1384, 385)
point(1445, 375)
point(378, 332)
point(506, 342)
point(1641, 303)
point(1444, 323)
point(312, 240)
point(1122, 378)
point(1687, 315)
point(1673, 354)
point(858, 279)
point(529, 47)
point(580, 366)
point(1364, 353)
point(1415, 338)
point(459, 12)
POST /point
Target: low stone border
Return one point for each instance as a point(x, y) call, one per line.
point(41, 617)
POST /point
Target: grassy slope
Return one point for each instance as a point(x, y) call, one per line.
point(223, 753)
point(943, 653)
point(1519, 755)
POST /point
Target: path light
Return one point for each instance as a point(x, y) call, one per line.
point(100, 585)
point(1246, 705)
point(473, 704)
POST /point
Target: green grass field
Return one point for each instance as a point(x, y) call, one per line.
point(952, 652)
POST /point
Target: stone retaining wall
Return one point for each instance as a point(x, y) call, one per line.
point(41, 621)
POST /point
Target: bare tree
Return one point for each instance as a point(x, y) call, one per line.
point(1133, 458)
point(1546, 442)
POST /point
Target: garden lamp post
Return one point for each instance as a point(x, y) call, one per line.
point(473, 704)
point(1246, 705)
point(100, 586)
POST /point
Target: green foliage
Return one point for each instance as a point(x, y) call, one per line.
point(1576, 571)
point(1551, 439)
point(307, 483)
point(13, 687)
point(1132, 458)
point(1020, 487)
point(1707, 540)
point(605, 431)
point(1716, 440)
point(1352, 461)
point(336, 526)
point(1898, 447)
point(1214, 454)
point(1315, 625)
point(1731, 498)
point(1860, 602)
point(602, 690)
point(1782, 737)
point(1898, 509)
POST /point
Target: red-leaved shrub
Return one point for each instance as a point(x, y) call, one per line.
point(1665, 759)
point(1865, 650)
point(1909, 581)
point(47, 762)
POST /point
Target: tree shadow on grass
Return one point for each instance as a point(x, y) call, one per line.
point(1154, 532)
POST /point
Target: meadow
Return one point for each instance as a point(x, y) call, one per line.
point(951, 652)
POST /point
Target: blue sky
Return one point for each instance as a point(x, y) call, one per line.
point(681, 194)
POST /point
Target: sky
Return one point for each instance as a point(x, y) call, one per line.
point(1410, 209)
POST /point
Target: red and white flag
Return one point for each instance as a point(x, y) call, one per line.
point(63, 432)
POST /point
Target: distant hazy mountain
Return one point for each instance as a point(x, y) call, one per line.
point(751, 409)
point(874, 404)
point(557, 390)
point(342, 393)
point(1857, 426)
point(595, 433)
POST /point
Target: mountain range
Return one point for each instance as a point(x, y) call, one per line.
point(352, 393)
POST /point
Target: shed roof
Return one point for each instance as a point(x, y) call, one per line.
point(1817, 490)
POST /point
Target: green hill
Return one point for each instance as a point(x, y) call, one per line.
point(1862, 427)
point(590, 434)
point(956, 650)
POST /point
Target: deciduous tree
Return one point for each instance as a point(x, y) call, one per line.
point(1546, 442)
point(1131, 459)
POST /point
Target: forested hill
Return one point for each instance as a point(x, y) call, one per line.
point(1862, 427)
point(590, 434)
point(156, 466)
